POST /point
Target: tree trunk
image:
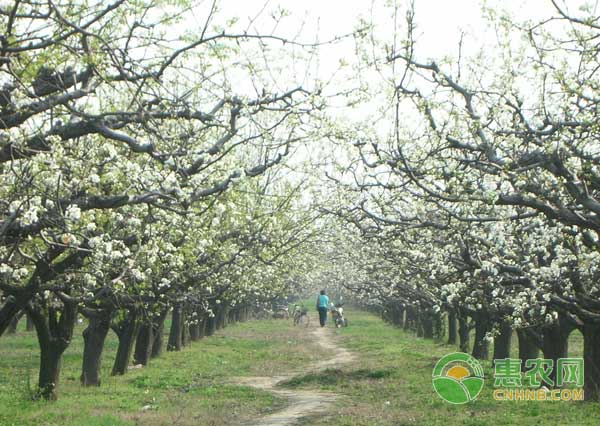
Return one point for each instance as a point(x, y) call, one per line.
point(14, 323)
point(195, 330)
point(50, 363)
point(211, 325)
point(94, 337)
point(528, 347)
point(399, 316)
point(225, 316)
point(427, 324)
point(126, 330)
point(220, 318)
point(202, 328)
point(452, 331)
point(185, 329)
point(438, 325)
point(408, 318)
point(591, 359)
point(556, 342)
point(8, 311)
point(502, 341)
point(175, 341)
point(481, 345)
point(419, 323)
point(29, 324)
point(387, 314)
point(464, 334)
point(158, 326)
point(54, 327)
point(143, 343)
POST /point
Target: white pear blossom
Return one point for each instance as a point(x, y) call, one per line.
point(73, 213)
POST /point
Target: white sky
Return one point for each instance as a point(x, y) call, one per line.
point(440, 22)
point(439, 27)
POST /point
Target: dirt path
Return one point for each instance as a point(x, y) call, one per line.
point(301, 403)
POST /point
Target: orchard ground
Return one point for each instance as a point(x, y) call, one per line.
point(387, 383)
point(190, 387)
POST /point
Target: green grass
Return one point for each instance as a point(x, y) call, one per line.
point(190, 387)
point(390, 384)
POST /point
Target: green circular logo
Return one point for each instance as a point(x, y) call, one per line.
point(458, 378)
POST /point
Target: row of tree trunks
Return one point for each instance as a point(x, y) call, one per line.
point(54, 326)
point(430, 324)
point(551, 339)
point(395, 315)
point(182, 331)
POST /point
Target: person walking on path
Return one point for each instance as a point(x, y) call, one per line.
point(322, 306)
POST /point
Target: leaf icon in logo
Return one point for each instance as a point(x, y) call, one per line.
point(452, 390)
point(473, 385)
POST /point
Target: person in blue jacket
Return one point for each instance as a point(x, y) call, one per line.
point(322, 307)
